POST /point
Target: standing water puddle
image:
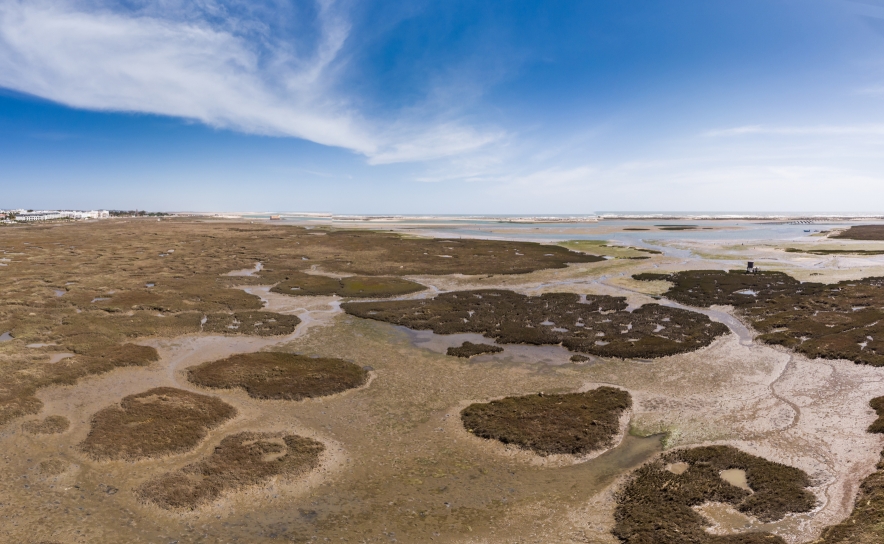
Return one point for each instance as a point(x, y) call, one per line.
point(736, 477)
point(247, 271)
point(734, 324)
point(512, 353)
point(597, 474)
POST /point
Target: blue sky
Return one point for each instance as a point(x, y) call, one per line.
point(442, 107)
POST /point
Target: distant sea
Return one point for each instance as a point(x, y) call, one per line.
point(320, 217)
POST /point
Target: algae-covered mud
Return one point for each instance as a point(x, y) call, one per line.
point(209, 381)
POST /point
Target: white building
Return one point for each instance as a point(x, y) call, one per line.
point(46, 215)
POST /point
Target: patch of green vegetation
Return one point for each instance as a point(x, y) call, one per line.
point(274, 375)
point(655, 506)
point(837, 321)
point(352, 286)
point(600, 326)
point(157, 422)
point(240, 460)
point(572, 423)
point(469, 349)
point(604, 248)
point(299, 283)
point(577, 358)
point(676, 227)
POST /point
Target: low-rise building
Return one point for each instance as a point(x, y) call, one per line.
point(46, 215)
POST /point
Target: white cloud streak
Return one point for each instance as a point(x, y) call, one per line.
point(87, 57)
point(819, 130)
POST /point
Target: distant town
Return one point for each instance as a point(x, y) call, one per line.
point(22, 215)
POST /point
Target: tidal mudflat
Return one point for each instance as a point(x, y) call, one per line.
point(189, 398)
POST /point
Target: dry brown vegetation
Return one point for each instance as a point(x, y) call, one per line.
point(160, 421)
point(655, 506)
point(273, 375)
point(877, 426)
point(469, 349)
point(572, 423)
point(256, 323)
point(862, 232)
point(299, 283)
point(48, 425)
point(52, 467)
point(838, 321)
point(599, 326)
point(240, 460)
point(92, 288)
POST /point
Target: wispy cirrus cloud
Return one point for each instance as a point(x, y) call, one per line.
point(220, 64)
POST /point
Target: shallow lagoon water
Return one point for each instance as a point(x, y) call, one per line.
point(717, 230)
point(512, 353)
point(707, 231)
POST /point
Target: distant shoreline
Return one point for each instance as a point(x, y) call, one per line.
point(809, 217)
